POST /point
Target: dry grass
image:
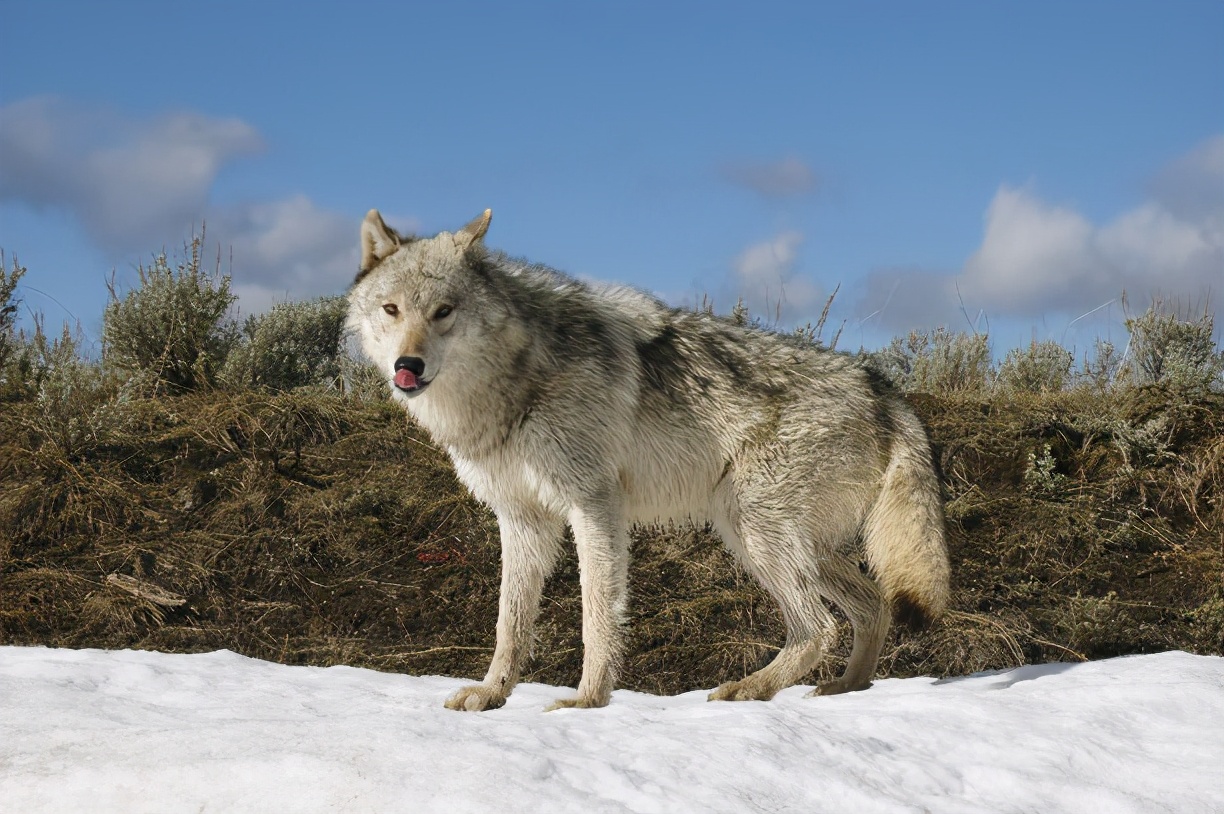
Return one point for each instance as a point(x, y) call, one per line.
point(313, 529)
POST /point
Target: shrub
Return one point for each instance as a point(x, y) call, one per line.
point(173, 325)
point(34, 357)
point(72, 398)
point(293, 345)
point(938, 361)
point(1041, 474)
point(8, 308)
point(362, 379)
point(1166, 349)
point(1101, 369)
point(1042, 367)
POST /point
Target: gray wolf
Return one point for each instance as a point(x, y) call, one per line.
point(562, 402)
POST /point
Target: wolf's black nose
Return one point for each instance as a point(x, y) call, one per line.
point(414, 363)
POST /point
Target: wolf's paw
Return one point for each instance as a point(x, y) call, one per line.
point(837, 687)
point(475, 698)
point(743, 690)
point(581, 702)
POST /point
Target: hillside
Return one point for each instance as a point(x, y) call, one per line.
point(311, 528)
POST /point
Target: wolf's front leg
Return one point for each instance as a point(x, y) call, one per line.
point(603, 564)
point(531, 546)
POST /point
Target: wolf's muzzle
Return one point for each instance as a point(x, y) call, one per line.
point(408, 370)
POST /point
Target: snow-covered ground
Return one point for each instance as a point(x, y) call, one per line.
point(105, 731)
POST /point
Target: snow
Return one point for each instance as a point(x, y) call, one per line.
point(127, 731)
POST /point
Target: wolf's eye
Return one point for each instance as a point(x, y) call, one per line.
point(392, 309)
point(443, 312)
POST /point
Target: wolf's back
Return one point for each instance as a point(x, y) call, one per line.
point(904, 534)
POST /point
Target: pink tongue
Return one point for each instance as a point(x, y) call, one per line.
point(405, 378)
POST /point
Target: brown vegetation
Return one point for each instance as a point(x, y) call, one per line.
point(204, 487)
point(310, 528)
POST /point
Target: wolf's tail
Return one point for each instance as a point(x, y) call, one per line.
point(904, 530)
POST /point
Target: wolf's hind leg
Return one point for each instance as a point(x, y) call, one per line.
point(531, 547)
point(863, 602)
point(810, 627)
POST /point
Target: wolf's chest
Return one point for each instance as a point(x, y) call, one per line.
point(507, 480)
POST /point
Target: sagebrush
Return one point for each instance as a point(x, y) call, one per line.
point(173, 327)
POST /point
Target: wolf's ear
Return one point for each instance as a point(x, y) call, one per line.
point(474, 232)
point(378, 242)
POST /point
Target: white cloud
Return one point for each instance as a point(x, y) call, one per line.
point(1192, 186)
point(777, 179)
point(1150, 247)
point(286, 250)
point(129, 182)
point(765, 276)
point(1037, 258)
point(769, 261)
point(1031, 255)
point(138, 185)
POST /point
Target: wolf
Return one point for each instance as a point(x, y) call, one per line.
point(596, 406)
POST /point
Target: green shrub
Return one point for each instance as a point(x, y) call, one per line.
point(33, 357)
point(173, 326)
point(1042, 367)
point(1101, 369)
point(1041, 474)
point(1167, 349)
point(8, 308)
point(293, 345)
point(72, 397)
point(938, 361)
point(71, 406)
point(361, 379)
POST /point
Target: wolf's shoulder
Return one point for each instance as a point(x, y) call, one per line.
point(563, 296)
point(606, 309)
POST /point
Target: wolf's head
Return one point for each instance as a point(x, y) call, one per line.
point(419, 304)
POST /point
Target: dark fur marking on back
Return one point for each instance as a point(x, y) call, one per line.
point(662, 362)
point(729, 349)
point(731, 359)
point(588, 328)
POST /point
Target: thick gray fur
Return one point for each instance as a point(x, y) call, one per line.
point(562, 402)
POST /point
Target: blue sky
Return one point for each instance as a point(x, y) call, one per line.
point(1011, 165)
